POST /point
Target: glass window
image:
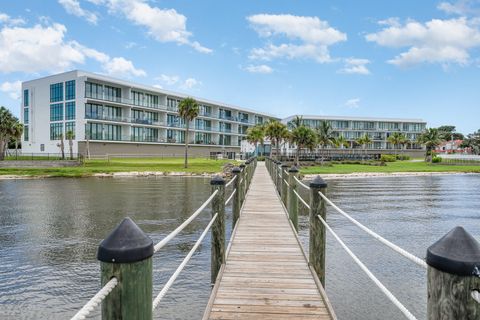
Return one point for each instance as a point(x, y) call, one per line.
point(93, 90)
point(70, 110)
point(56, 92)
point(112, 93)
point(25, 98)
point(56, 112)
point(70, 90)
point(25, 133)
point(70, 126)
point(56, 131)
point(25, 116)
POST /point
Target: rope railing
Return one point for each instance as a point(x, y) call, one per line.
point(392, 246)
point(380, 285)
point(231, 196)
point(286, 182)
point(182, 265)
point(96, 300)
point(301, 183)
point(230, 182)
point(301, 199)
point(172, 235)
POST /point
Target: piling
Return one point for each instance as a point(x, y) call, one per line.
point(317, 229)
point(218, 227)
point(292, 198)
point(237, 204)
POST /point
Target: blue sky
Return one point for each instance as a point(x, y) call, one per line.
point(409, 59)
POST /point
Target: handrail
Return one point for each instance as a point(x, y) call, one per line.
point(96, 300)
point(230, 182)
point(182, 265)
point(302, 184)
point(392, 246)
point(301, 199)
point(231, 196)
point(380, 285)
point(172, 235)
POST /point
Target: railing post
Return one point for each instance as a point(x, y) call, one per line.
point(317, 229)
point(218, 227)
point(292, 198)
point(237, 202)
point(283, 184)
point(126, 254)
point(279, 177)
point(454, 277)
point(243, 190)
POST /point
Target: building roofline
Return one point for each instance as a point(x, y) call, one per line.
point(348, 118)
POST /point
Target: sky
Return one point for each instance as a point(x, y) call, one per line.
point(376, 58)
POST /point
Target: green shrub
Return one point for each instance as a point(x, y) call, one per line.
point(388, 158)
point(261, 158)
point(402, 157)
point(436, 159)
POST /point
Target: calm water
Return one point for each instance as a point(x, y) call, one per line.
point(50, 230)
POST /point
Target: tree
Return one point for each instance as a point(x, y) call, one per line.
point(364, 141)
point(7, 131)
point(396, 139)
point(61, 145)
point(255, 135)
point(324, 136)
point(303, 137)
point(430, 138)
point(70, 136)
point(17, 135)
point(296, 123)
point(276, 132)
point(341, 142)
point(188, 110)
point(472, 141)
point(447, 133)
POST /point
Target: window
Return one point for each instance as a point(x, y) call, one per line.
point(70, 90)
point(175, 136)
point(56, 92)
point(99, 131)
point(93, 90)
point(70, 126)
point(203, 138)
point(112, 93)
point(25, 133)
point(25, 98)
point(56, 131)
point(42, 147)
point(56, 112)
point(25, 116)
point(70, 110)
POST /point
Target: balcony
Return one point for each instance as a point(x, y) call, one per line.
point(126, 101)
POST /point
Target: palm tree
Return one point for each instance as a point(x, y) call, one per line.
point(341, 142)
point(276, 132)
point(364, 141)
point(255, 135)
point(324, 135)
point(430, 138)
point(70, 136)
point(7, 124)
point(295, 123)
point(17, 135)
point(396, 139)
point(188, 110)
point(61, 145)
point(303, 137)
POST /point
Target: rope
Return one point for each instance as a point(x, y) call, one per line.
point(389, 295)
point(303, 201)
point(392, 246)
point(231, 196)
point(96, 300)
point(165, 240)
point(230, 182)
point(302, 184)
point(286, 182)
point(182, 265)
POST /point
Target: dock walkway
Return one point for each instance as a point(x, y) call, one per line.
point(266, 275)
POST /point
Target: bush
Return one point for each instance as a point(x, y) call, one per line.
point(388, 158)
point(436, 159)
point(261, 158)
point(402, 157)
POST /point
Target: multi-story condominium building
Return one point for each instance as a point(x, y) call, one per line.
point(378, 129)
point(113, 116)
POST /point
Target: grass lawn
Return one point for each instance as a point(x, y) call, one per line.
point(399, 166)
point(195, 165)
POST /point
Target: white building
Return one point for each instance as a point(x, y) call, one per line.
point(120, 117)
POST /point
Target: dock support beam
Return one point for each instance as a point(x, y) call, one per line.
point(292, 198)
point(126, 254)
point(317, 230)
point(218, 227)
point(454, 277)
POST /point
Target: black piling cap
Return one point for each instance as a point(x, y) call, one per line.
point(293, 169)
point(236, 170)
point(217, 181)
point(248, 161)
point(242, 165)
point(284, 165)
point(457, 253)
point(318, 182)
point(127, 243)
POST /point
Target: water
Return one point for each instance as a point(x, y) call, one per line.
point(50, 230)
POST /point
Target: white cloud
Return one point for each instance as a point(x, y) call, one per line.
point(353, 103)
point(190, 83)
point(73, 7)
point(6, 19)
point(164, 25)
point(461, 7)
point(314, 37)
point(263, 68)
point(436, 41)
point(12, 88)
point(42, 48)
point(355, 66)
point(169, 80)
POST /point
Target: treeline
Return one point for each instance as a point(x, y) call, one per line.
point(11, 131)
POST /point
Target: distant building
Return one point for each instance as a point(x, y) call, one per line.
point(454, 146)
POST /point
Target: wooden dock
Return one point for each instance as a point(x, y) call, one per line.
point(266, 275)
